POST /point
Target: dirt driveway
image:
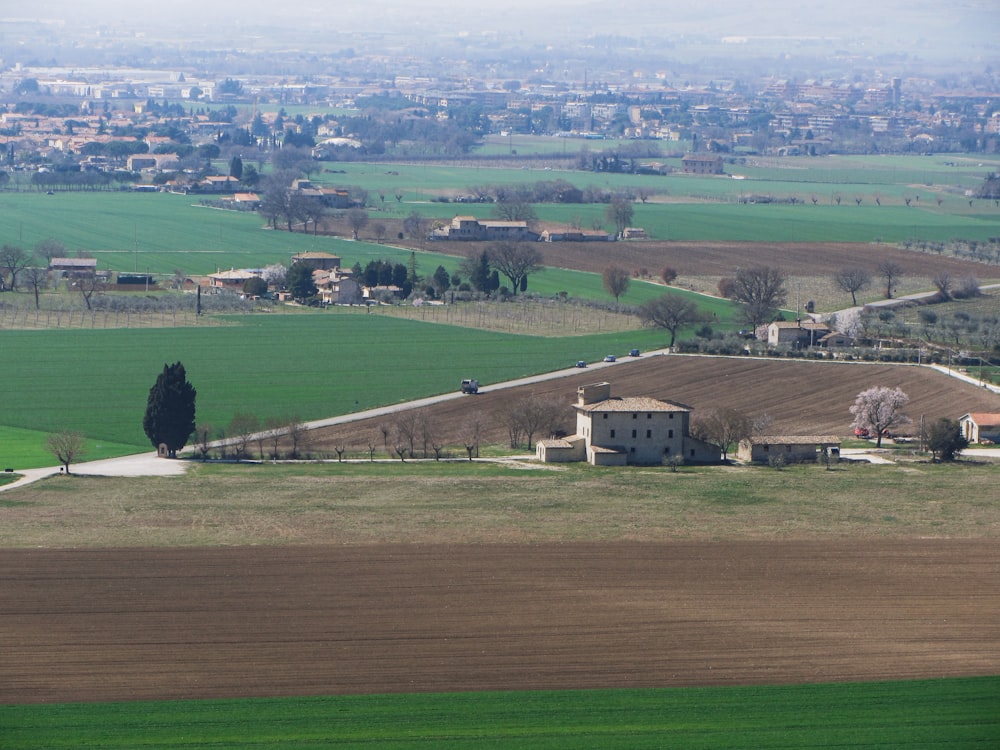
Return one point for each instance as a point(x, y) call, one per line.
point(102, 625)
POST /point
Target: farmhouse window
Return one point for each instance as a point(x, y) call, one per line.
point(605, 416)
point(670, 433)
point(649, 416)
point(632, 449)
point(649, 433)
point(635, 416)
point(692, 453)
point(612, 433)
point(666, 451)
point(633, 433)
point(671, 416)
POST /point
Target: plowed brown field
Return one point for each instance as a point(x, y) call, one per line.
point(802, 397)
point(103, 625)
point(796, 259)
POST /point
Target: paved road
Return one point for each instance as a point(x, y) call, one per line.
point(148, 464)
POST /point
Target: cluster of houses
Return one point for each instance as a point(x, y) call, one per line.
point(335, 285)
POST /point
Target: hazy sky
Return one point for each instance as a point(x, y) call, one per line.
point(962, 24)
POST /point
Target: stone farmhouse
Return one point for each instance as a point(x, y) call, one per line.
point(469, 228)
point(617, 431)
point(804, 333)
point(701, 164)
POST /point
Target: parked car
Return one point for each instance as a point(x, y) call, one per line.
point(610, 358)
point(581, 363)
point(634, 353)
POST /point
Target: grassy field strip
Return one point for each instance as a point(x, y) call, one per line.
point(958, 713)
point(314, 366)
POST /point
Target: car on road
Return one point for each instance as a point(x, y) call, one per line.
point(610, 358)
point(634, 353)
point(581, 363)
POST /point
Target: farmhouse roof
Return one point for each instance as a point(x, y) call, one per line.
point(806, 324)
point(633, 403)
point(984, 418)
point(794, 440)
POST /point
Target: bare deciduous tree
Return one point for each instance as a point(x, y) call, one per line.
point(616, 281)
point(852, 281)
point(761, 291)
point(298, 435)
point(890, 271)
point(670, 312)
point(203, 434)
point(67, 446)
point(515, 260)
point(240, 431)
point(724, 428)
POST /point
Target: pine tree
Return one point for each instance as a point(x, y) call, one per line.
point(169, 418)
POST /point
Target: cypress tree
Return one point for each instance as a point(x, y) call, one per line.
point(169, 417)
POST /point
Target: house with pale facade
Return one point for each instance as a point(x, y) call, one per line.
point(618, 431)
point(803, 334)
point(980, 427)
point(471, 229)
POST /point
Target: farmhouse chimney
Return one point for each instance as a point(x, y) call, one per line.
point(589, 394)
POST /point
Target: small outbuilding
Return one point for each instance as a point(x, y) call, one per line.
point(790, 448)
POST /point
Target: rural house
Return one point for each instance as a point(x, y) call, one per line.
point(802, 334)
point(317, 260)
point(790, 448)
point(233, 279)
point(692, 164)
point(980, 427)
point(469, 228)
point(633, 430)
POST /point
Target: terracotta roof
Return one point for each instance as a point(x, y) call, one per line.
point(795, 440)
point(633, 403)
point(984, 418)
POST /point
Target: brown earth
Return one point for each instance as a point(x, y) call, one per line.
point(802, 397)
point(103, 625)
point(797, 259)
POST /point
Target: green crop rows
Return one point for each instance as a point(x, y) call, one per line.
point(959, 713)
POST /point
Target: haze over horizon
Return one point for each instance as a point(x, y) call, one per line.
point(964, 28)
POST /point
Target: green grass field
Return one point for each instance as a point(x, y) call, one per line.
point(312, 365)
point(957, 713)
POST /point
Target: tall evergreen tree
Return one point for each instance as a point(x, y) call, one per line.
point(169, 415)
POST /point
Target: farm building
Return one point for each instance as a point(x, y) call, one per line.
point(317, 260)
point(234, 278)
point(74, 267)
point(633, 430)
point(791, 449)
point(693, 164)
point(803, 334)
point(469, 228)
point(980, 427)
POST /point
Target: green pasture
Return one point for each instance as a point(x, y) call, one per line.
point(22, 448)
point(310, 365)
point(952, 713)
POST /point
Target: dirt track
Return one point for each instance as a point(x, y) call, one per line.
point(105, 625)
